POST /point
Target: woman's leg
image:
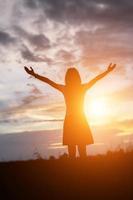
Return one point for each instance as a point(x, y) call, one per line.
point(82, 151)
point(72, 151)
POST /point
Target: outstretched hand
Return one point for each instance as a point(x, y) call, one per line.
point(111, 67)
point(29, 71)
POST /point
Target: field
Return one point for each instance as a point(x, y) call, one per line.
point(106, 177)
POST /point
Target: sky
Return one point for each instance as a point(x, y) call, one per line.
point(52, 36)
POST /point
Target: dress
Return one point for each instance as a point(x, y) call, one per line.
point(76, 130)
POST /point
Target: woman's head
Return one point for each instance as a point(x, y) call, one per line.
point(72, 76)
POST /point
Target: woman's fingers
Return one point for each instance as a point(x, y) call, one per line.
point(114, 65)
point(111, 66)
point(26, 69)
point(31, 69)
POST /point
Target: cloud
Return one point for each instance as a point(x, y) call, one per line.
point(67, 58)
point(31, 3)
point(103, 29)
point(15, 121)
point(127, 123)
point(29, 99)
point(100, 30)
point(6, 39)
point(35, 90)
point(102, 45)
point(124, 94)
point(77, 12)
point(65, 55)
point(34, 95)
point(39, 41)
point(28, 55)
point(56, 108)
point(108, 133)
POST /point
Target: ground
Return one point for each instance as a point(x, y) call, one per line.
point(98, 177)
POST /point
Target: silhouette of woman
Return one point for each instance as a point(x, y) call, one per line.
point(76, 130)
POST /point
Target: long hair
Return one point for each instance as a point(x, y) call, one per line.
point(72, 77)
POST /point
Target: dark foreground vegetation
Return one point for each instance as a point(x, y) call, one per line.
point(98, 177)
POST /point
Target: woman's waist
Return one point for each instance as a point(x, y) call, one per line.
point(74, 113)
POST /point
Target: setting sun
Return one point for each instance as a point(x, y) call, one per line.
point(96, 107)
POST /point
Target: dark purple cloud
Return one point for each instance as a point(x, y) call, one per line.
point(77, 11)
point(103, 45)
point(6, 39)
point(28, 55)
point(39, 41)
point(65, 55)
point(104, 27)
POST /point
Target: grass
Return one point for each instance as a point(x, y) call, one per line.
point(107, 176)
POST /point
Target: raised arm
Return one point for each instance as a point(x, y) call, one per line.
point(44, 79)
point(100, 76)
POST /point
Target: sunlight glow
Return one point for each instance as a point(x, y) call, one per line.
point(96, 108)
point(57, 145)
